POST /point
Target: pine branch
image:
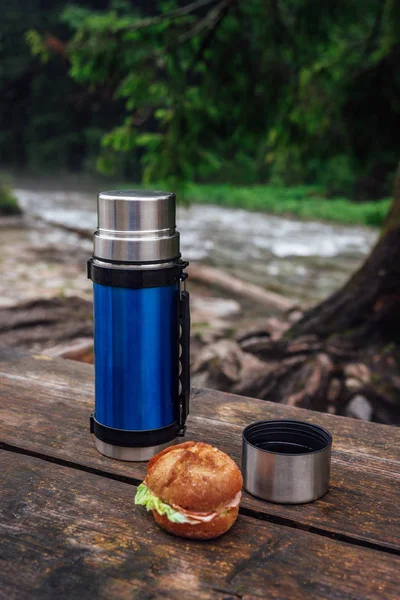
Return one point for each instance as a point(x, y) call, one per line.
point(214, 20)
point(207, 23)
point(173, 14)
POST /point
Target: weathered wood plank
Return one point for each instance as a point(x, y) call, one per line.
point(70, 534)
point(45, 408)
point(352, 436)
point(357, 437)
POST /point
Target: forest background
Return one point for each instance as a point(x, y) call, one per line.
point(275, 105)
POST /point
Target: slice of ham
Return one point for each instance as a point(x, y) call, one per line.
point(207, 517)
point(203, 517)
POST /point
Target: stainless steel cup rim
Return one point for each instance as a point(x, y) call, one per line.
point(278, 429)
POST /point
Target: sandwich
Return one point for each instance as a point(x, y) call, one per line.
point(193, 490)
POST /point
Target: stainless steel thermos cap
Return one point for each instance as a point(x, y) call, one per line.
point(287, 462)
point(136, 226)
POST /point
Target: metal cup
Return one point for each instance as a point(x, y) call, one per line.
point(287, 462)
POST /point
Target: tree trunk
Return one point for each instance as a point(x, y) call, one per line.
point(343, 355)
point(369, 303)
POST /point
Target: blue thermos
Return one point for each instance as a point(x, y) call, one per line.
point(141, 325)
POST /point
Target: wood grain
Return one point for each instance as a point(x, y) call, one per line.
point(70, 534)
point(45, 409)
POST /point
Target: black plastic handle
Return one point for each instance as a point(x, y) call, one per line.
point(184, 342)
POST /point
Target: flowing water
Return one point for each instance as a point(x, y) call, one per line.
point(301, 260)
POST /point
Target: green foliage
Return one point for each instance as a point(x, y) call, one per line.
point(37, 45)
point(303, 201)
point(338, 175)
point(47, 121)
point(8, 202)
point(248, 92)
point(278, 91)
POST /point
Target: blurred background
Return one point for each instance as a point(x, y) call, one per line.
point(275, 121)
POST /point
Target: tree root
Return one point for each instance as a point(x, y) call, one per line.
point(325, 375)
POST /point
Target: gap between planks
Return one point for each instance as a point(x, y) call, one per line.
point(276, 520)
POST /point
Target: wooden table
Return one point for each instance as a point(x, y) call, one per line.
point(69, 527)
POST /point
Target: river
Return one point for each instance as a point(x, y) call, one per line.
point(303, 260)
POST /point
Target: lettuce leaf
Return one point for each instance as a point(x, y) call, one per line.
point(145, 498)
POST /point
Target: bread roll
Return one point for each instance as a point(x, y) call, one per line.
point(201, 483)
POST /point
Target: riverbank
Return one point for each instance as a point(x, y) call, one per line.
point(304, 202)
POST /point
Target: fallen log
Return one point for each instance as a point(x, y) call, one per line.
point(85, 234)
point(80, 349)
point(215, 277)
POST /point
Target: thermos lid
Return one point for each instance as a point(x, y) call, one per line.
point(136, 226)
point(286, 461)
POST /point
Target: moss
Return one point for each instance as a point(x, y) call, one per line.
point(200, 326)
point(303, 202)
point(230, 333)
point(8, 202)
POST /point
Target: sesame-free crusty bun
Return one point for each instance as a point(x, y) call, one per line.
point(194, 476)
point(202, 531)
point(193, 490)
